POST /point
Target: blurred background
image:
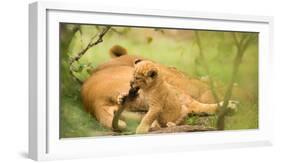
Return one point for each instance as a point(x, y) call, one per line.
point(171, 47)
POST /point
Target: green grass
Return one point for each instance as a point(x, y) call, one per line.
point(177, 50)
point(77, 123)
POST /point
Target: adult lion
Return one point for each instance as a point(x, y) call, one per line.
point(101, 90)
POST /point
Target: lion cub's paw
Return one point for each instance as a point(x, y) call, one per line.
point(155, 124)
point(170, 124)
point(121, 98)
point(142, 129)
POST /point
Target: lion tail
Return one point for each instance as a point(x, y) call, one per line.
point(117, 51)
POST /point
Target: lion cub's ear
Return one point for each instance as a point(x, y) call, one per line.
point(137, 61)
point(152, 73)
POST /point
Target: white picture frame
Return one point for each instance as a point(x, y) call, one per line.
point(44, 141)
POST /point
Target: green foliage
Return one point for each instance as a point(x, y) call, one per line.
point(75, 122)
point(168, 47)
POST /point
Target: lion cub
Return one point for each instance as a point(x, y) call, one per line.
point(165, 107)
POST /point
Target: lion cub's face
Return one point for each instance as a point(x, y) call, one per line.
point(145, 74)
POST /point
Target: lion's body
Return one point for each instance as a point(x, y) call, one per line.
point(99, 92)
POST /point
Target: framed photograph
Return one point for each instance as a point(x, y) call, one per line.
point(108, 81)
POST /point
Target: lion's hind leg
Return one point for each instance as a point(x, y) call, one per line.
point(198, 107)
point(181, 119)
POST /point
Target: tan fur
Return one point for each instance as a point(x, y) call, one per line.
point(163, 101)
point(100, 91)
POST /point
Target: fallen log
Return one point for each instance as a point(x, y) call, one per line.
point(182, 128)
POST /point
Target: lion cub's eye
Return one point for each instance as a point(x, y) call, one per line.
point(138, 78)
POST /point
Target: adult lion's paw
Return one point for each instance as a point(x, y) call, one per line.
point(121, 98)
point(232, 105)
point(142, 129)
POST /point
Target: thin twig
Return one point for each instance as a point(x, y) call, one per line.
point(91, 44)
point(83, 51)
point(81, 37)
point(75, 77)
point(235, 38)
point(241, 46)
point(206, 67)
point(116, 117)
point(132, 95)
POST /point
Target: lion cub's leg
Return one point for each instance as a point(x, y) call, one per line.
point(148, 119)
point(180, 120)
point(184, 114)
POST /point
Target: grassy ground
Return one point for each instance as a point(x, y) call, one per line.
point(169, 47)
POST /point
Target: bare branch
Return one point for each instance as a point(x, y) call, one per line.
point(235, 37)
point(206, 67)
point(83, 51)
point(91, 44)
point(241, 47)
point(132, 95)
point(75, 77)
point(116, 118)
